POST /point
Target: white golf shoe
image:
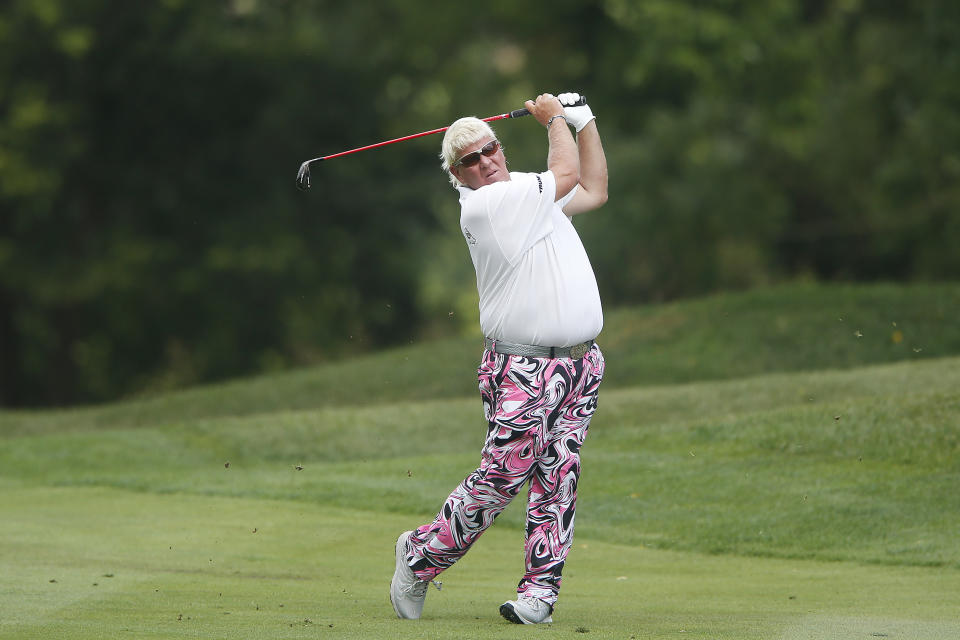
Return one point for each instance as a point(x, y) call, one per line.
point(407, 592)
point(527, 610)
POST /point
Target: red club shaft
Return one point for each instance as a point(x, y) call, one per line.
point(502, 116)
point(303, 175)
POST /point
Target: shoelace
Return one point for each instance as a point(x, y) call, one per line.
point(533, 603)
point(419, 587)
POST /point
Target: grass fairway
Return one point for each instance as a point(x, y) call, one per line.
point(171, 566)
point(809, 493)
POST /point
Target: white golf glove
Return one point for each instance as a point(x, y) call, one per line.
point(577, 117)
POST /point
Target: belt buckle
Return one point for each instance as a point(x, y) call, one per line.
point(577, 351)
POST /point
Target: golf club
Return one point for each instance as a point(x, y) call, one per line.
point(303, 175)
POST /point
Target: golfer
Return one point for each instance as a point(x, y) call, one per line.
point(541, 370)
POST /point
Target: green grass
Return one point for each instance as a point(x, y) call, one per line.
point(785, 477)
point(98, 562)
point(795, 328)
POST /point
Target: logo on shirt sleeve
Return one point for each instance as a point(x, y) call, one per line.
point(469, 236)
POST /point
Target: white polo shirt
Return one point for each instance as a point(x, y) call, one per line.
point(535, 281)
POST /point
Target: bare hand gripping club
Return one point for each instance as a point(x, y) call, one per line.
point(303, 175)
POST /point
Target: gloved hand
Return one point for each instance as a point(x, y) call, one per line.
point(577, 117)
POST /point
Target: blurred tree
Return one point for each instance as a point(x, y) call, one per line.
point(152, 236)
point(780, 139)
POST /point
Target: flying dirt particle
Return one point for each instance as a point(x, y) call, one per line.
point(226, 465)
point(254, 530)
point(582, 630)
point(409, 473)
point(108, 575)
point(52, 581)
point(836, 418)
point(96, 584)
point(179, 617)
point(299, 467)
point(857, 333)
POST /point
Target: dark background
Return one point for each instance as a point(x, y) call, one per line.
point(151, 236)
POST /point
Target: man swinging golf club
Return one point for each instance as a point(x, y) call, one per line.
point(541, 370)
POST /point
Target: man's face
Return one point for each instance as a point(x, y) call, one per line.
point(486, 169)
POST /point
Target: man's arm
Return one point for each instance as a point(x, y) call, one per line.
point(593, 163)
point(592, 193)
point(563, 159)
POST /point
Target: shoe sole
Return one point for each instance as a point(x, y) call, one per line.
point(508, 612)
point(400, 551)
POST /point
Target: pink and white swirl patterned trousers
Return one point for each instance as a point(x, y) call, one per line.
point(538, 411)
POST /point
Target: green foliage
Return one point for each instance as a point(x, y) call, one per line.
point(778, 139)
point(151, 237)
point(154, 238)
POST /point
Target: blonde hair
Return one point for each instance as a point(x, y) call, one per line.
point(460, 135)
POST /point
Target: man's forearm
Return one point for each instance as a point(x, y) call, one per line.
point(593, 161)
point(563, 158)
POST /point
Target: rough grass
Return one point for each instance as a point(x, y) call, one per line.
point(803, 327)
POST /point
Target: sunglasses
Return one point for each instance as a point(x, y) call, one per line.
point(473, 157)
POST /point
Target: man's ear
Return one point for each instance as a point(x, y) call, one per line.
point(456, 172)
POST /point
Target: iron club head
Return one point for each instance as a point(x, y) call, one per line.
point(303, 176)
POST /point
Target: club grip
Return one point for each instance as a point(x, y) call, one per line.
point(523, 112)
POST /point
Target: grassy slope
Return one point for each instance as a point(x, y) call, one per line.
point(857, 464)
point(826, 460)
point(797, 328)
